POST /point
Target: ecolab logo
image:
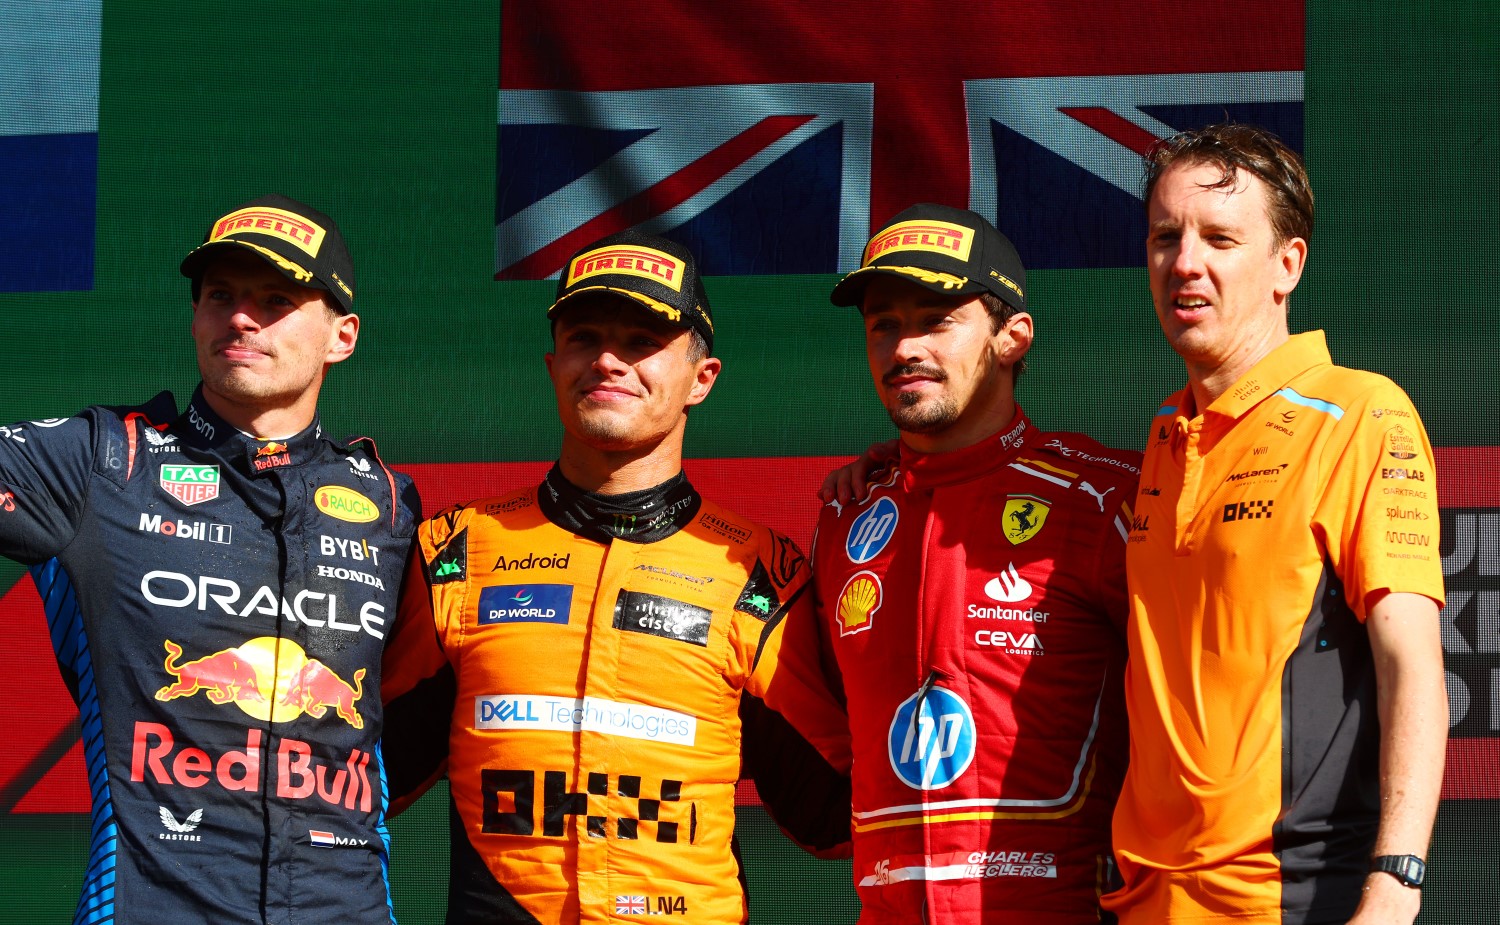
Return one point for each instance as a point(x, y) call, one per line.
point(200, 530)
point(645, 262)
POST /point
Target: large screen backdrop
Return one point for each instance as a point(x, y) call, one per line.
point(466, 153)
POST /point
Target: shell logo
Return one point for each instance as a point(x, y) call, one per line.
point(861, 597)
point(345, 504)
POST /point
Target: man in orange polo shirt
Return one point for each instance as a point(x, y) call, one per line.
point(1285, 683)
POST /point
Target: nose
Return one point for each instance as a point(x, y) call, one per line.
point(911, 346)
point(1187, 262)
point(245, 316)
point(608, 361)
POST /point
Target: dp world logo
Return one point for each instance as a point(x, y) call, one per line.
point(522, 598)
point(932, 739)
point(872, 530)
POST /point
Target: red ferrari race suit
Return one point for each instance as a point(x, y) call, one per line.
point(975, 604)
point(579, 662)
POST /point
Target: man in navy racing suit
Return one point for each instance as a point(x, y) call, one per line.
point(219, 585)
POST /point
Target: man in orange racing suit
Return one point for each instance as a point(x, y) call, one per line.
point(576, 652)
point(975, 603)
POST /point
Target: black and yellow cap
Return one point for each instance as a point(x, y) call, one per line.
point(659, 274)
point(948, 250)
point(301, 242)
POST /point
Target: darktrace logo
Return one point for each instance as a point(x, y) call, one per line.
point(1247, 510)
point(536, 603)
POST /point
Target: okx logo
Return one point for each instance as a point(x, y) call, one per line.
point(932, 739)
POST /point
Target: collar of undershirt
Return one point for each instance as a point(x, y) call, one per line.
point(637, 517)
point(200, 427)
point(929, 470)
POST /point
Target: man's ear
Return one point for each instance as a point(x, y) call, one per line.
point(707, 375)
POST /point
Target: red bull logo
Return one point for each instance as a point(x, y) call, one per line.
point(275, 222)
point(645, 262)
point(271, 455)
point(226, 676)
point(267, 678)
point(157, 756)
point(935, 237)
point(315, 688)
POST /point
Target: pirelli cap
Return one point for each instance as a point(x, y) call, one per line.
point(659, 274)
point(948, 250)
point(301, 242)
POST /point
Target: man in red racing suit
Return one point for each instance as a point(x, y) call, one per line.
point(974, 602)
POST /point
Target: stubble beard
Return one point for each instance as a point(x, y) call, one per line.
point(914, 415)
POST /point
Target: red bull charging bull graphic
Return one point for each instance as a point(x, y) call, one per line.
point(268, 679)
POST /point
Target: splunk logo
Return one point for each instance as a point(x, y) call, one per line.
point(932, 739)
point(525, 604)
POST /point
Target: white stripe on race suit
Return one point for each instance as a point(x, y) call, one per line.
point(1041, 475)
point(960, 872)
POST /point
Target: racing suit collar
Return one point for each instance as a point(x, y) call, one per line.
point(638, 517)
point(929, 470)
point(201, 427)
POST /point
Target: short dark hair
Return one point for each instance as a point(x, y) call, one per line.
point(1232, 147)
point(1002, 311)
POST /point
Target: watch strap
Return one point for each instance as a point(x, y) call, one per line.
point(1407, 868)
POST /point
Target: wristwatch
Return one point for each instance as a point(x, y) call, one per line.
point(1408, 868)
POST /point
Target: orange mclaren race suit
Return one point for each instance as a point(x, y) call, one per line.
point(218, 605)
point(975, 603)
point(578, 661)
point(1263, 527)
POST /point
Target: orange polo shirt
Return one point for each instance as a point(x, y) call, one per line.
point(1263, 528)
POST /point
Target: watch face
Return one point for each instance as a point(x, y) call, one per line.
point(1407, 868)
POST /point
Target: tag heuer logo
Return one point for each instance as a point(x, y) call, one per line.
point(190, 484)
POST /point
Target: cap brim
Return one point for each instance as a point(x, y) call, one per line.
point(670, 314)
point(851, 289)
point(193, 264)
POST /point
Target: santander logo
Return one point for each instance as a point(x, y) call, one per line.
point(1009, 587)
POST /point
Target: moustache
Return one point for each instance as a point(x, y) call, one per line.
point(914, 369)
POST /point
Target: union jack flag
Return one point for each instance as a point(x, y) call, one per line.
point(630, 905)
point(49, 145)
point(770, 139)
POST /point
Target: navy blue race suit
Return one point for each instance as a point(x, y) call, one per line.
point(218, 605)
